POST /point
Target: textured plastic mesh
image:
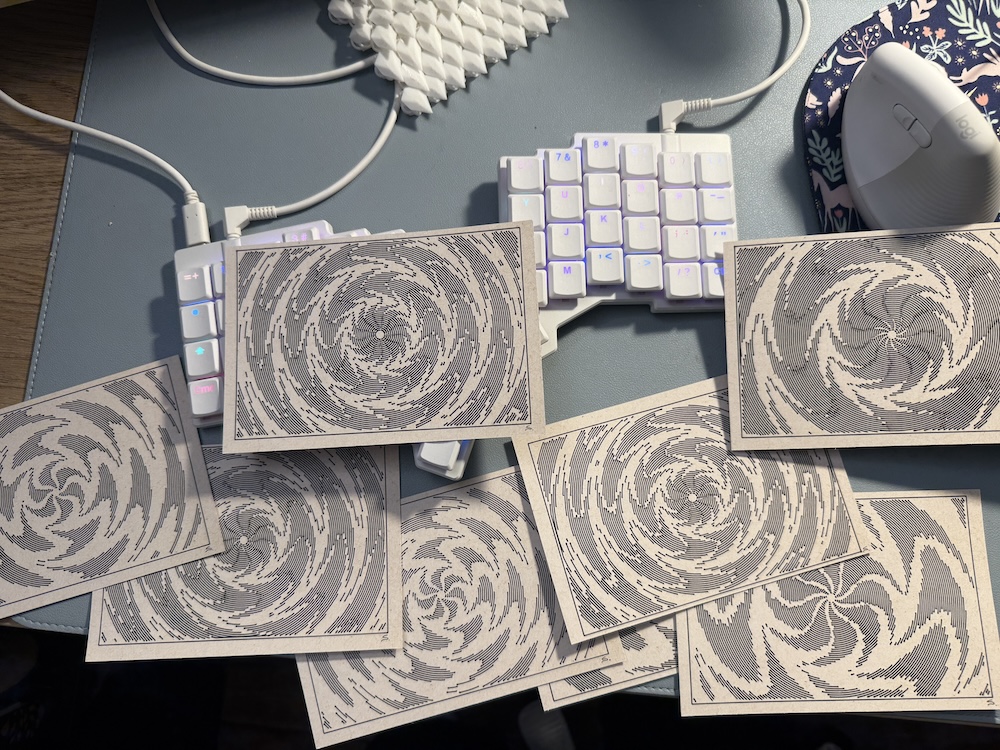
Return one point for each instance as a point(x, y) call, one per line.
point(431, 47)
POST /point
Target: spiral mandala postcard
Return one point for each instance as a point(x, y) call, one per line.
point(382, 340)
point(480, 619)
point(649, 652)
point(311, 565)
point(643, 511)
point(869, 339)
point(100, 484)
point(910, 628)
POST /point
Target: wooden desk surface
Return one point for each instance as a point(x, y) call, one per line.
point(43, 49)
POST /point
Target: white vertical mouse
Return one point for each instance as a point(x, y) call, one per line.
point(917, 151)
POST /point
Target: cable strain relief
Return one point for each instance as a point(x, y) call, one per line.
point(263, 213)
point(190, 196)
point(697, 105)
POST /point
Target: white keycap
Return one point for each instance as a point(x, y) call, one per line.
point(681, 243)
point(600, 154)
point(194, 285)
point(542, 287)
point(564, 203)
point(683, 280)
point(676, 169)
point(563, 167)
point(715, 205)
point(713, 239)
point(640, 197)
point(567, 279)
point(643, 273)
point(678, 206)
point(539, 249)
point(220, 315)
point(441, 455)
point(201, 359)
point(524, 175)
point(306, 235)
point(642, 235)
point(219, 279)
point(206, 396)
point(605, 266)
point(602, 191)
point(528, 207)
point(712, 280)
point(604, 228)
point(565, 241)
point(638, 161)
point(198, 321)
point(713, 169)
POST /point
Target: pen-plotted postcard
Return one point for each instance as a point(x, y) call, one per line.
point(644, 511)
point(99, 484)
point(868, 339)
point(311, 565)
point(382, 340)
point(480, 619)
point(910, 628)
point(649, 652)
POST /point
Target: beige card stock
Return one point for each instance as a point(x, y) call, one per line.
point(381, 340)
point(643, 510)
point(100, 484)
point(649, 652)
point(867, 339)
point(480, 619)
point(311, 565)
point(910, 628)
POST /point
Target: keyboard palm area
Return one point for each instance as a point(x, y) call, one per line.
point(624, 218)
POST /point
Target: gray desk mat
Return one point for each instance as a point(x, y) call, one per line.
point(110, 296)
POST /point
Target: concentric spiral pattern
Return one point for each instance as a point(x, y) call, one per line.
point(650, 512)
point(479, 617)
point(905, 625)
point(650, 652)
point(363, 339)
point(309, 537)
point(869, 336)
point(96, 486)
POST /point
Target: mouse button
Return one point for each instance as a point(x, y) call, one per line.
point(920, 134)
point(903, 116)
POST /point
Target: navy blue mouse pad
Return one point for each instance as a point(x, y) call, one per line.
point(962, 36)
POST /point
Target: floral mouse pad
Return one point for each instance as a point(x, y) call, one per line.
point(962, 36)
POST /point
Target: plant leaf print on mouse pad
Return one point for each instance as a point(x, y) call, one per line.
point(876, 339)
point(383, 340)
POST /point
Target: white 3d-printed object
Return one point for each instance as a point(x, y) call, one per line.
point(432, 46)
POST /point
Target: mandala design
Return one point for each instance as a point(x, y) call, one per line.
point(374, 340)
point(480, 618)
point(650, 512)
point(910, 627)
point(876, 336)
point(308, 544)
point(96, 482)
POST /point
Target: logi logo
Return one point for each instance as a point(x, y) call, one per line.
point(966, 128)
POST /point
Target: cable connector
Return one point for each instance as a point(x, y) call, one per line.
point(236, 218)
point(195, 217)
point(672, 113)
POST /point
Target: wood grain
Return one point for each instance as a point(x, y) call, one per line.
point(43, 49)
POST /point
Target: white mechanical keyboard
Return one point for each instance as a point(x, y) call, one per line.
point(624, 218)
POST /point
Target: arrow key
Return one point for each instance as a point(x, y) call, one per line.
point(202, 359)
